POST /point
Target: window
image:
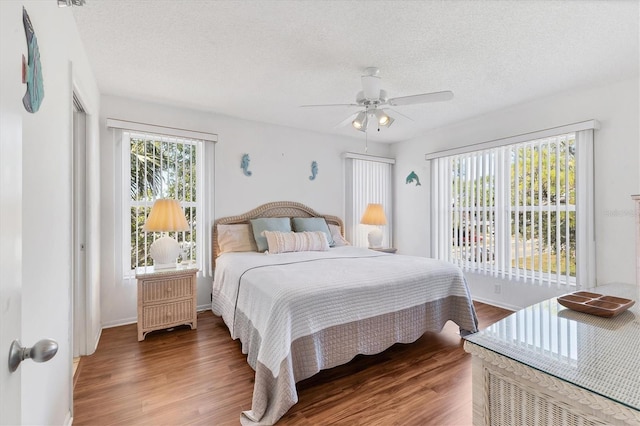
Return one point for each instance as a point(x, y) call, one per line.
point(162, 167)
point(521, 211)
point(368, 180)
point(162, 162)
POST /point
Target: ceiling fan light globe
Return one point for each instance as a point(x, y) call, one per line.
point(360, 122)
point(382, 118)
point(361, 128)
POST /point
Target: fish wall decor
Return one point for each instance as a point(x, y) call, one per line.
point(413, 177)
point(31, 68)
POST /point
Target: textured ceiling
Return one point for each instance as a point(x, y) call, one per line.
point(261, 60)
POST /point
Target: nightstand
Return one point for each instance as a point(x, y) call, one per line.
point(385, 249)
point(166, 298)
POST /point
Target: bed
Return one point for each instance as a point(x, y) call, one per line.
point(301, 312)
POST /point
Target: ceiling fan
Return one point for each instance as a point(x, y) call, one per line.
point(373, 98)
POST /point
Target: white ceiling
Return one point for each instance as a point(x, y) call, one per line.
point(261, 60)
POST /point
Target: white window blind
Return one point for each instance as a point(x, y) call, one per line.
point(523, 211)
point(369, 179)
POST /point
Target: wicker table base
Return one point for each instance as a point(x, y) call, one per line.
point(507, 392)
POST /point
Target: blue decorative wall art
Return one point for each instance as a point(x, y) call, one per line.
point(314, 170)
point(31, 69)
point(244, 165)
point(413, 177)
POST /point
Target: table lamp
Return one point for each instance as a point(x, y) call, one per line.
point(166, 216)
point(374, 215)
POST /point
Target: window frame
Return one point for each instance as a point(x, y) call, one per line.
point(359, 194)
point(129, 203)
point(205, 192)
point(584, 209)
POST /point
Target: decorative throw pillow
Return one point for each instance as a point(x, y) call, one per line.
point(337, 236)
point(310, 224)
point(233, 238)
point(282, 224)
point(284, 242)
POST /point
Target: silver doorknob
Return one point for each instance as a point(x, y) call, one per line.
point(42, 351)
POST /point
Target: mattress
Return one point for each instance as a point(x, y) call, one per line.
point(298, 313)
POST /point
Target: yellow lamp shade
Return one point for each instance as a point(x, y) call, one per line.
point(374, 215)
point(166, 216)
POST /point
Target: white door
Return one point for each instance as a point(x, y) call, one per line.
point(10, 215)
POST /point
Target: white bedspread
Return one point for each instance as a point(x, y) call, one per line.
point(288, 296)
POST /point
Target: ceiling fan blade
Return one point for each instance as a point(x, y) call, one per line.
point(421, 99)
point(330, 105)
point(347, 120)
point(395, 111)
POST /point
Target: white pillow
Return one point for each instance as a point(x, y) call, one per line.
point(233, 238)
point(338, 239)
point(284, 242)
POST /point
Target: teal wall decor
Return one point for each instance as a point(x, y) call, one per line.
point(314, 170)
point(31, 70)
point(244, 165)
point(413, 177)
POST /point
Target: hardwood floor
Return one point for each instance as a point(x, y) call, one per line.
point(201, 377)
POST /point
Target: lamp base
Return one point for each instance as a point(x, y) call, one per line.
point(160, 266)
point(164, 251)
point(375, 238)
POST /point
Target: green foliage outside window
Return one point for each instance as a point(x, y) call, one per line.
point(542, 177)
point(546, 179)
point(161, 169)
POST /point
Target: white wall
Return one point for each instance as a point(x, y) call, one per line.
point(617, 176)
point(280, 162)
point(46, 223)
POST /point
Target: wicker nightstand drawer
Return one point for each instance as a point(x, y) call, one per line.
point(166, 315)
point(166, 298)
point(160, 290)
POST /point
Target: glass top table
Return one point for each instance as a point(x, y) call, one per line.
point(600, 355)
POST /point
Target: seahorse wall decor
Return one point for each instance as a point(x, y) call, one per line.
point(244, 165)
point(413, 177)
point(314, 170)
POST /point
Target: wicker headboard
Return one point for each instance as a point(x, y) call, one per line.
point(275, 209)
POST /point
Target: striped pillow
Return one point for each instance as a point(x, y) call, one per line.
point(284, 242)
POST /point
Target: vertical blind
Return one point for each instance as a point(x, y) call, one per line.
point(520, 211)
point(369, 180)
